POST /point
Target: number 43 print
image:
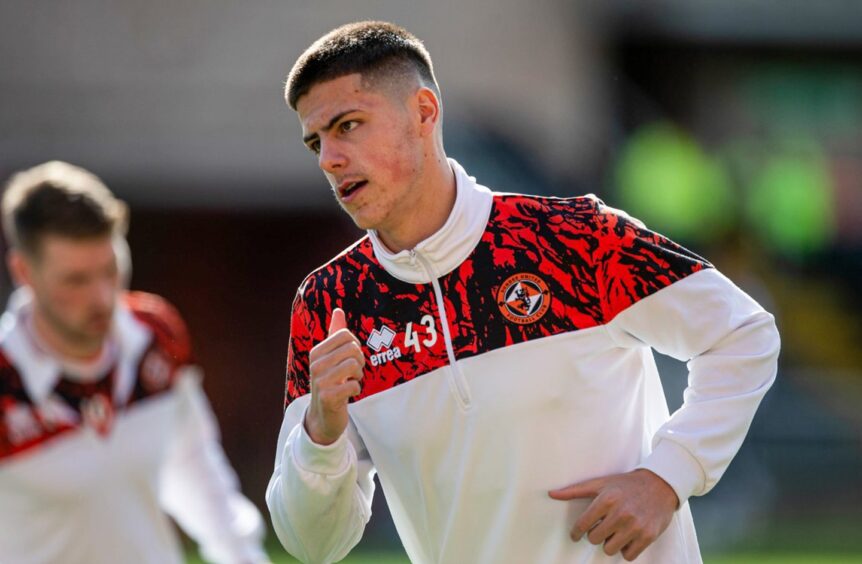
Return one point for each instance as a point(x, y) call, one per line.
point(412, 338)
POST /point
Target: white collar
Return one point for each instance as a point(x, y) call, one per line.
point(451, 244)
point(38, 369)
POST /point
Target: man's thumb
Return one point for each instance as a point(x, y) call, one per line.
point(338, 321)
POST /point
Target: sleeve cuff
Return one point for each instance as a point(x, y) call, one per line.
point(676, 466)
point(320, 459)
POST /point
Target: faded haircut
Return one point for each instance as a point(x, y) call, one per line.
point(379, 51)
point(57, 198)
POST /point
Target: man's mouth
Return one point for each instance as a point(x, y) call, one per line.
point(99, 322)
point(347, 189)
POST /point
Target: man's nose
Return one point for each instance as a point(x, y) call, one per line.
point(331, 158)
point(105, 294)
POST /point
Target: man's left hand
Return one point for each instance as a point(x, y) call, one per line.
point(629, 511)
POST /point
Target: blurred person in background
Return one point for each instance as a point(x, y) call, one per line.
point(103, 421)
point(488, 355)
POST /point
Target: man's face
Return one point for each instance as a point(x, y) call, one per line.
point(368, 146)
point(75, 285)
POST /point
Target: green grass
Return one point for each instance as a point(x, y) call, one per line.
point(279, 557)
point(785, 541)
point(783, 558)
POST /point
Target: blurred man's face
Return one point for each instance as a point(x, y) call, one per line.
point(368, 146)
point(75, 285)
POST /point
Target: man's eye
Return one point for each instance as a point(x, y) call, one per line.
point(314, 147)
point(348, 125)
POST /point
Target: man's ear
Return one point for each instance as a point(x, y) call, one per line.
point(429, 110)
point(20, 267)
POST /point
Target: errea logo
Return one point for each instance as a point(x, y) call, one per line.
point(380, 342)
point(380, 339)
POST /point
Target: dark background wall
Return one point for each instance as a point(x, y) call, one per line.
point(233, 277)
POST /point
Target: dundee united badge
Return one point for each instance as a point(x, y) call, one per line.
point(523, 298)
point(155, 371)
point(98, 412)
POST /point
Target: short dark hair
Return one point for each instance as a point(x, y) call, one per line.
point(371, 48)
point(59, 199)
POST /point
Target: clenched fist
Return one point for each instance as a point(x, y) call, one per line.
point(336, 373)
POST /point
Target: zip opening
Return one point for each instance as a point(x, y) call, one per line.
point(462, 392)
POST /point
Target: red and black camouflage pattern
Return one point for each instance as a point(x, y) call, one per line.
point(170, 341)
point(170, 348)
point(75, 393)
point(595, 261)
point(370, 297)
point(14, 401)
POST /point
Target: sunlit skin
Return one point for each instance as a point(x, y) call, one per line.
point(75, 283)
point(392, 141)
point(389, 137)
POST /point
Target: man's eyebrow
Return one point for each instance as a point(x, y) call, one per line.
point(328, 126)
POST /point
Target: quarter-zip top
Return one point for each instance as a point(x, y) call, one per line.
point(508, 355)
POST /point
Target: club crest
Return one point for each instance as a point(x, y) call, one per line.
point(97, 411)
point(155, 371)
point(523, 298)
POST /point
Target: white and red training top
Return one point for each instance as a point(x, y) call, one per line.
point(91, 456)
point(509, 354)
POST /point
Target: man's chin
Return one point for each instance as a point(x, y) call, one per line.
point(96, 330)
point(362, 221)
point(93, 340)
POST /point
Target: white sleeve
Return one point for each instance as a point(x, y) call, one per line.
point(731, 347)
point(319, 497)
point(200, 490)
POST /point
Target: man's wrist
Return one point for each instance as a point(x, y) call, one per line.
point(662, 485)
point(312, 429)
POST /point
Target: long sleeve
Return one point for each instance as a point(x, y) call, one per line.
point(319, 497)
point(660, 295)
point(200, 490)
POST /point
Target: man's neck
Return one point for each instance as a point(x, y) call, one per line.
point(57, 345)
point(428, 213)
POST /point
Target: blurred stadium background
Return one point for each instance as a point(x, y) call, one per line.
point(735, 127)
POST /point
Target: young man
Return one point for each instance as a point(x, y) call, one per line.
point(488, 355)
point(103, 421)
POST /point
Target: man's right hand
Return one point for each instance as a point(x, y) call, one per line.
point(336, 372)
